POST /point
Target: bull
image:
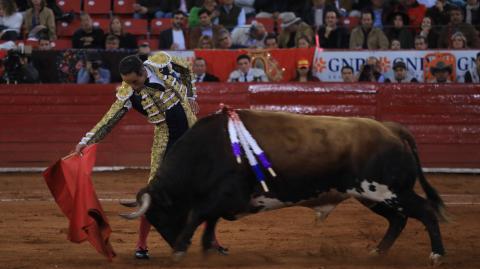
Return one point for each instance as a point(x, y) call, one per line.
point(320, 161)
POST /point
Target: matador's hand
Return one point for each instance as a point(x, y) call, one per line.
point(194, 106)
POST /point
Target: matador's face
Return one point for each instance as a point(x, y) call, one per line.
point(135, 80)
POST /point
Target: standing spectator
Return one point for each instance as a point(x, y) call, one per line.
point(194, 16)
point(429, 32)
point(472, 13)
point(112, 42)
point(303, 72)
point(314, 12)
point(441, 72)
point(457, 24)
point(175, 38)
point(205, 42)
point(38, 20)
point(149, 9)
point(271, 41)
point(225, 41)
point(200, 71)
point(231, 15)
point(251, 36)
point(400, 74)
point(245, 71)
point(395, 44)
point(93, 72)
point(440, 12)
point(206, 27)
point(420, 43)
point(366, 36)
point(473, 74)
point(400, 30)
point(331, 35)
point(127, 40)
point(88, 36)
point(347, 74)
point(292, 28)
point(10, 20)
point(44, 43)
point(459, 41)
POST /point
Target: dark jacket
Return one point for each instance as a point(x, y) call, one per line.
point(209, 78)
point(467, 30)
point(166, 39)
point(338, 38)
point(402, 34)
point(97, 43)
point(229, 20)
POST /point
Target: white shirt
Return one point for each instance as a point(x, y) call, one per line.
point(12, 22)
point(179, 39)
point(199, 78)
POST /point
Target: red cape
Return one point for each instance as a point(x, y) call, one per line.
point(69, 181)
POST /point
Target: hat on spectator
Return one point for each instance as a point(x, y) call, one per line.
point(288, 18)
point(399, 64)
point(441, 66)
point(303, 63)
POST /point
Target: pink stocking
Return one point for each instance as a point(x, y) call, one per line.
point(143, 231)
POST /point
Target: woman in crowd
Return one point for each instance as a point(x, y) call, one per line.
point(38, 20)
point(395, 44)
point(205, 42)
point(10, 20)
point(428, 31)
point(304, 73)
point(458, 41)
point(303, 42)
point(127, 40)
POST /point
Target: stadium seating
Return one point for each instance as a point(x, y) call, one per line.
point(350, 22)
point(97, 6)
point(65, 29)
point(69, 5)
point(61, 44)
point(159, 25)
point(123, 6)
point(137, 27)
point(102, 23)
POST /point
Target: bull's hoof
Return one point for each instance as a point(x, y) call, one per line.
point(218, 249)
point(375, 252)
point(436, 259)
point(177, 256)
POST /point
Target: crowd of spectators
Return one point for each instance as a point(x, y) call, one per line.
point(234, 24)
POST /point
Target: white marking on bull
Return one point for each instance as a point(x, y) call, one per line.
point(373, 191)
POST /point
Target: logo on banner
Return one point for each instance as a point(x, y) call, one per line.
point(384, 63)
point(319, 65)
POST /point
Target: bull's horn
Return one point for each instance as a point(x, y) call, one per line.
point(145, 204)
point(128, 202)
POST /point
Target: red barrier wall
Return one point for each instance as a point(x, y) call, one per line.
point(41, 123)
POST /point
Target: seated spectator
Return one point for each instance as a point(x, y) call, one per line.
point(415, 12)
point(303, 42)
point(380, 12)
point(473, 74)
point(44, 43)
point(371, 71)
point(200, 71)
point(440, 12)
point(149, 9)
point(19, 69)
point(365, 36)
point(88, 36)
point(457, 24)
point(429, 32)
point(127, 40)
point(112, 42)
point(93, 72)
point(348, 75)
point(314, 13)
point(230, 15)
point(205, 42)
point(472, 13)
point(292, 28)
point(331, 35)
point(441, 72)
point(38, 20)
point(271, 41)
point(206, 27)
point(395, 44)
point(194, 16)
point(250, 36)
point(458, 41)
point(245, 71)
point(143, 51)
point(175, 38)
point(10, 20)
point(303, 72)
point(400, 74)
point(400, 30)
point(420, 43)
point(225, 41)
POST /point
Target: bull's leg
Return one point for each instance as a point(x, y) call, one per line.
point(185, 236)
point(209, 241)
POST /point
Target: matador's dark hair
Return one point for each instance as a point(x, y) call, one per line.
point(130, 64)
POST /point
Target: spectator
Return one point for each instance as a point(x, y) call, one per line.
point(200, 71)
point(144, 51)
point(10, 20)
point(440, 12)
point(441, 72)
point(420, 43)
point(149, 9)
point(127, 40)
point(194, 16)
point(459, 41)
point(473, 74)
point(303, 72)
point(429, 32)
point(314, 13)
point(379, 8)
point(205, 42)
point(292, 28)
point(225, 41)
point(251, 36)
point(182, 5)
point(472, 13)
point(231, 15)
point(248, 6)
point(38, 20)
point(415, 12)
point(44, 43)
point(245, 71)
point(271, 41)
point(175, 38)
point(371, 71)
point(272, 9)
point(400, 31)
point(347, 74)
point(18, 68)
point(93, 72)
point(303, 42)
point(367, 37)
point(457, 24)
point(400, 74)
point(331, 35)
point(206, 27)
point(112, 42)
point(88, 36)
point(395, 44)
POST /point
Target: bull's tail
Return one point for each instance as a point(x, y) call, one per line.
point(432, 194)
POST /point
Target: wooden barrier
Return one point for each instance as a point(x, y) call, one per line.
point(41, 123)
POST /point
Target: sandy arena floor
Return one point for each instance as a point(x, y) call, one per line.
point(33, 232)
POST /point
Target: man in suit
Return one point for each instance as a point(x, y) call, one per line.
point(175, 38)
point(200, 71)
point(205, 28)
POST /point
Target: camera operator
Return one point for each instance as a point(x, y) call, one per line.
point(18, 68)
point(92, 72)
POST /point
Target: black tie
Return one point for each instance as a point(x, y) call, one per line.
point(198, 78)
point(245, 78)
